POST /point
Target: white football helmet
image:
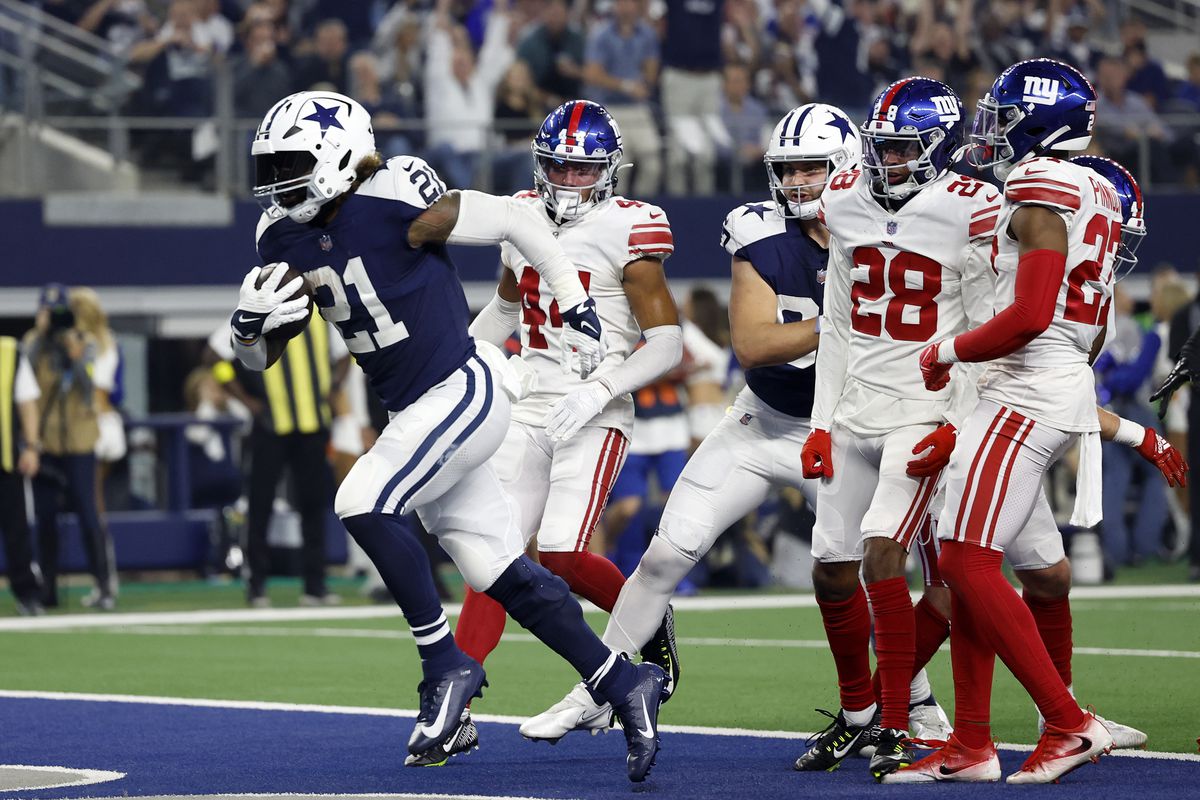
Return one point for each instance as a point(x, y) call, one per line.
point(306, 150)
point(808, 133)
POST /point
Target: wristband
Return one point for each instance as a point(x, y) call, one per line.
point(1129, 433)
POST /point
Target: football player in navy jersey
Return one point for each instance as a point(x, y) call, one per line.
point(779, 257)
point(370, 241)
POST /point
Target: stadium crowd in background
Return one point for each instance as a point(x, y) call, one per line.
point(669, 70)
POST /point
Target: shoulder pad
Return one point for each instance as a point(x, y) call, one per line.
point(1048, 182)
point(649, 229)
point(748, 224)
point(407, 179)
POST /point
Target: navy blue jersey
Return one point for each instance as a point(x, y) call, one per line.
point(400, 309)
point(793, 265)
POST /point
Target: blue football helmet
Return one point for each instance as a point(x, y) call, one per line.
point(1034, 107)
point(1133, 208)
point(916, 124)
point(578, 135)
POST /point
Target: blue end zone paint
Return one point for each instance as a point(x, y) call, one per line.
point(183, 750)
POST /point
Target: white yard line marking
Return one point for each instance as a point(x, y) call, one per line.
point(708, 603)
point(379, 633)
point(255, 705)
point(84, 777)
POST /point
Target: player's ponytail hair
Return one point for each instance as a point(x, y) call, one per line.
point(367, 166)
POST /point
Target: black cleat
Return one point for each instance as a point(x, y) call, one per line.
point(442, 704)
point(663, 651)
point(638, 713)
point(891, 753)
point(464, 740)
point(828, 748)
point(866, 743)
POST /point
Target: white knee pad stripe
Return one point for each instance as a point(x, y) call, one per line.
point(442, 441)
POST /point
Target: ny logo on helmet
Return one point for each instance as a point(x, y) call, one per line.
point(947, 108)
point(1042, 91)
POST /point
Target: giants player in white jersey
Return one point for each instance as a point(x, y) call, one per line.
point(779, 257)
point(568, 439)
point(903, 229)
point(1059, 226)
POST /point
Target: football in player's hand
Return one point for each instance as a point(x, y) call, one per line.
point(285, 332)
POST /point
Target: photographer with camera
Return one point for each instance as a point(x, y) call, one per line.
point(62, 356)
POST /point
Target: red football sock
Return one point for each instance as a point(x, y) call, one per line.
point(848, 628)
point(479, 625)
point(1007, 626)
point(974, 664)
point(1053, 618)
point(895, 644)
point(588, 575)
point(932, 630)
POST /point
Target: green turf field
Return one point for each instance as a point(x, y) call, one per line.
point(756, 668)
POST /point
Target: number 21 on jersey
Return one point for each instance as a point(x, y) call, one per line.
point(373, 327)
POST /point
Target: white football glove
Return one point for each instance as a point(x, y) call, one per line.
point(582, 339)
point(262, 310)
point(575, 409)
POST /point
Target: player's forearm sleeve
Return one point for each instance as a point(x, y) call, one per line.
point(662, 353)
point(253, 356)
point(496, 321)
point(485, 219)
point(1039, 278)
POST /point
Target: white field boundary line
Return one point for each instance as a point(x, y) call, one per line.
point(83, 777)
point(392, 635)
point(405, 713)
point(371, 796)
point(721, 603)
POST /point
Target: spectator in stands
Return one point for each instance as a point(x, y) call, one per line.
point(388, 110)
point(745, 118)
point(1124, 118)
point(741, 34)
point(949, 47)
point(214, 26)
point(621, 69)
point(358, 17)
point(1169, 294)
point(1123, 371)
point(1187, 91)
point(401, 51)
point(63, 359)
point(691, 91)
point(260, 77)
point(780, 84)
point(706, 356)
point(179, 63)
point(1146, 76)
point(553, 50)
point(458, 124)
point(1005, 35)
point(833, 68)
point(107, 380)
point(326, 66)
point(290, 403)
point(20, 445)
point(519, 114)
point(1071, 43)
point(123, 23)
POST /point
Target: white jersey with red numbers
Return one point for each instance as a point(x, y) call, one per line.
point(600, 244)
point(894, 285)
point(1049, 379)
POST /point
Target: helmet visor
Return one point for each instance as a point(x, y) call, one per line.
point(989, 133)
point(281, 179)
point(1131, 240)
point(892, 157)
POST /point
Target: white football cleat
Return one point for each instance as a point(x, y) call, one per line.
point(928, 721)
point(1058, 751)
point(1124, 736)
point(575, 712)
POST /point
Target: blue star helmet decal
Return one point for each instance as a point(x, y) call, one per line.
point(326, 117)
point(841, 124)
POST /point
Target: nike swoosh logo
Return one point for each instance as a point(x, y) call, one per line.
point(588, 327)
point(648, 731)
point(943, 769)
point(244, 318)
point(1085, 744)
point(440, 722)
point(841, 752)
point(1035, 171)
point(655, 216)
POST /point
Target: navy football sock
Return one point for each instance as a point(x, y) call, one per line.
point(401, 560)
point(541, 602)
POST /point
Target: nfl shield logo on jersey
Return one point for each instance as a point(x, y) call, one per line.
point(745, 420)
point(892, 227)
point(325, 242)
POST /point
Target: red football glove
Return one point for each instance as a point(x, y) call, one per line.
point(936, 375)
point(940, 444)
point(1159, 452)
point(816, 459)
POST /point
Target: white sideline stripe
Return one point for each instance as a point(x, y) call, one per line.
point(690, 641)
point(86, 776)
point(258, 705)
point(738, 603)
point(364, 796)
